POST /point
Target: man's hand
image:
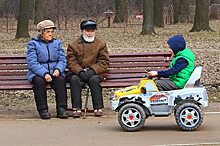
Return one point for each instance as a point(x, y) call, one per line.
point(89, 74)
point(81, 75)
point(48, 78)
point(153, 73)
point(56, 73)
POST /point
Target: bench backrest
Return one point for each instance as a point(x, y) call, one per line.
point(13, 69)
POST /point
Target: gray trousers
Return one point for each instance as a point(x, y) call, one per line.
point(76, 85)
point(165, 85)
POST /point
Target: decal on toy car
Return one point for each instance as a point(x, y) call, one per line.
point(158, 99)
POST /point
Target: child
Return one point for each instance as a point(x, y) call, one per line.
point(181, 67)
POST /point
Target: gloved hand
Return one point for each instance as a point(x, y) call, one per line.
point(82, 75)
point(89, 74)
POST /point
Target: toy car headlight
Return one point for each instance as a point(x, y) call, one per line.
point(115, 97)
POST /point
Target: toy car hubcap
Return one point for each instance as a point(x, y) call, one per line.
point(189, 117)
point(131, 117)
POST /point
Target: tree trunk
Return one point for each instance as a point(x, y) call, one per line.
point(158, 13)
point(148, 25)
point(23, 20)
point(38, 17)
point(120, 7)
point(201, 20)
point(176, 5)
point(184, 11)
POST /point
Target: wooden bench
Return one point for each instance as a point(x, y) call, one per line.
point(13, 69)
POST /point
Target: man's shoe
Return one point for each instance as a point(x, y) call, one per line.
point(98, 112)
point(76, 113)
point(44, 114)
point(61, 113)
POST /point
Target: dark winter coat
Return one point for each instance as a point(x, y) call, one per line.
point(81, 55)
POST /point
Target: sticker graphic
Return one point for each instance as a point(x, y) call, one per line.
point(158, 100)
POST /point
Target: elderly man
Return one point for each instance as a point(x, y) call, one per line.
point(87, 59)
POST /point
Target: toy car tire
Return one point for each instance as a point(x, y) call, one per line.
point(131, 117)
point(189, 116)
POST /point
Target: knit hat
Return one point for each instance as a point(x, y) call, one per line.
point(177, 43)
point(45, 24)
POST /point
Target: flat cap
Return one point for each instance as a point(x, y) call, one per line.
point(45, 24)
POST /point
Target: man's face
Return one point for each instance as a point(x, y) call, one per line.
point(88, 34)
point(48, 34)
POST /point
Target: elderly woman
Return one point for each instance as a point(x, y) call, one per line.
point(46, 62)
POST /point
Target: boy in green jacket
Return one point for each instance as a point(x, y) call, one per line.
point(181, 67)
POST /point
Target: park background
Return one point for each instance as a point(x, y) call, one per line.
point(121, 26)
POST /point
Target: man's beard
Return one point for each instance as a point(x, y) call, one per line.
point(87, 39)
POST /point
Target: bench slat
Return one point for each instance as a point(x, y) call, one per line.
point(12, 56)
point(13, 78)
point(15, 73)
point(21, 67)
point(139, 65)
point(155, 59)
point(113, 71)
point(13, 62)
point(143, 54)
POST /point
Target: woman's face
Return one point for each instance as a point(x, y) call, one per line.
point(48, 34)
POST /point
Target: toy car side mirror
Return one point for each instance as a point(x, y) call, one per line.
point(143, 90)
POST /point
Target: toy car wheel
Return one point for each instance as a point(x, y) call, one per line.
point(189, 116)
point(131, 117)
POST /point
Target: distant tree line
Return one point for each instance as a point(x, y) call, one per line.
point(152, 11)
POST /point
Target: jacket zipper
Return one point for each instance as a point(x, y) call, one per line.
point(48, 57)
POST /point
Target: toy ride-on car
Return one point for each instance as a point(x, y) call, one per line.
point(136, 103)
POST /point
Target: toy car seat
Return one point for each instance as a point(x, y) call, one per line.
point(194, 78)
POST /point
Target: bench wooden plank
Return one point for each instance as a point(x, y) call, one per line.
point(13, 62)
point(13, 73)
point(13, 78)
point(14, 67)
point(155, 59)
point(143, 54)
point(139, 65)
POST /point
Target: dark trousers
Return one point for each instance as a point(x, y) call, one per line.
point(165, 85)
point(40, 92)
point(76, 85)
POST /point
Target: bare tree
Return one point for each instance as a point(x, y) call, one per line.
point(148, 25)
point(120, 7)
point(201, 20)
point(158, 13)
point(184, 11)
point(37, 10)
point(23, 20)
point(176, 5)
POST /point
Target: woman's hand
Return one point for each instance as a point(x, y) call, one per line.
point(48, 78)
point(153, 73)
point(56, 73)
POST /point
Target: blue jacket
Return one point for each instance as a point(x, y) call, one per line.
point(43, 58)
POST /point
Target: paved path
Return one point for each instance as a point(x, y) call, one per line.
point(101, 131)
